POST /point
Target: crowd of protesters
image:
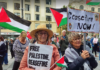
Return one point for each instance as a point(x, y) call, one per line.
point(70, 46)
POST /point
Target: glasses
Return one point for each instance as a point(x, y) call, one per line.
point(42, 33)
point(79, 39)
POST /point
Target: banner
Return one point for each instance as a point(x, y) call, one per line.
point(82, 21)
point(39, 56)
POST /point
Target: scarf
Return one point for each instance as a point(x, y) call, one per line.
point(72, 55)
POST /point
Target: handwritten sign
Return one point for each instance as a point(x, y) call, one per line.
point(95, 40)
point(39, 56)
point(82, 21)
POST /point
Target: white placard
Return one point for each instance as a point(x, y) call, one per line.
point(82, 21)
point(39, 56)
point(95, 40)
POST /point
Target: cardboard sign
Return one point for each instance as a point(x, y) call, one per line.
point(95, 40)
point(39, 56)
point(82, 21)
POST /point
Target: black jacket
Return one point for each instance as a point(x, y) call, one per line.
point(2, 49)
point(78, 63)
point(6, 46)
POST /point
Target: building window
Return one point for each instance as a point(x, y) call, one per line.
point(3, 4)
point(27, 16)
point(81, 7)
point(36, 24)
point(37, 1)
point(37, 16)
point(98, 9)
point(49, 26)
point(48, 18)
point(48, 2)
point(27, 7)
point(17, 14)
point(27, 0)
point(37, 8)
point(16, 6)
point(92, 9)
point(48, 10)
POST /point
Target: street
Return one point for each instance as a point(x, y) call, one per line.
point(10, 63)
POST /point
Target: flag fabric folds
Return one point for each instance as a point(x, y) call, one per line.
point(60, 16)
point(12, 22)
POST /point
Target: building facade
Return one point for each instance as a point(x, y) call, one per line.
point(36, 11)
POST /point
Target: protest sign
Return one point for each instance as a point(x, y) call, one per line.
point(39, 56)
point(95, 40)
point(82, 21)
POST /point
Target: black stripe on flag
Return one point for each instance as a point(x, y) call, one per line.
point(60, 10)
point(18, 19)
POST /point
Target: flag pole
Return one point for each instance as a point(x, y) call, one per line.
point(84, 41)
point(56, 62)
point(22, 8)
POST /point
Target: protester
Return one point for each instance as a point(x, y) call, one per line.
point(57, 45)
point(55, 36)
point(63, 42)
point(77, 58)
point(19, 46)
point(11, 47)
point(42, 35)
point(88, 41)
point(2, 51)
point(95, 46)
point(6, 53)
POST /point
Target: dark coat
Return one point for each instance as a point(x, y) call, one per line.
point(2, 50)
point(78, 63)
point(11, 46)
point(6, 44)
point(63, 43)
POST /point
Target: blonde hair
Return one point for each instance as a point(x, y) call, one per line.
point(23, 34)
point(73, 36)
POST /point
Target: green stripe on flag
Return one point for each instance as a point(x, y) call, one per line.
point(93, 3)
point(60, 65)
point(8, 26)
point(63, 22)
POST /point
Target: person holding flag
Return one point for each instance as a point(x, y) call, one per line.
point(42, 36)
point(77, 58)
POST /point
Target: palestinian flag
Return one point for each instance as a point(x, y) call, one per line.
point(92, 2)
point(60, 16)
point(61, 63)
point(28, 35)
point(12, 22)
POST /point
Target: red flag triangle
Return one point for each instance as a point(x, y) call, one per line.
point(58, 16)
point(3, 16)
point(61, 61)
point(28, 35)
point(87, 1)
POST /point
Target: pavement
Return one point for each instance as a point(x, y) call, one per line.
point(11, 61)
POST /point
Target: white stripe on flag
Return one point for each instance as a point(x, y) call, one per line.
point(95, 1)
point(18, 25)
point(64, 14)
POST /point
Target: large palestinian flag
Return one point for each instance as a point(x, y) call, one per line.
point(12, 22)
point(92, 2)
point(60, 16)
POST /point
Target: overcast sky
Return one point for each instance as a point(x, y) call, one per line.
point(60, 3)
